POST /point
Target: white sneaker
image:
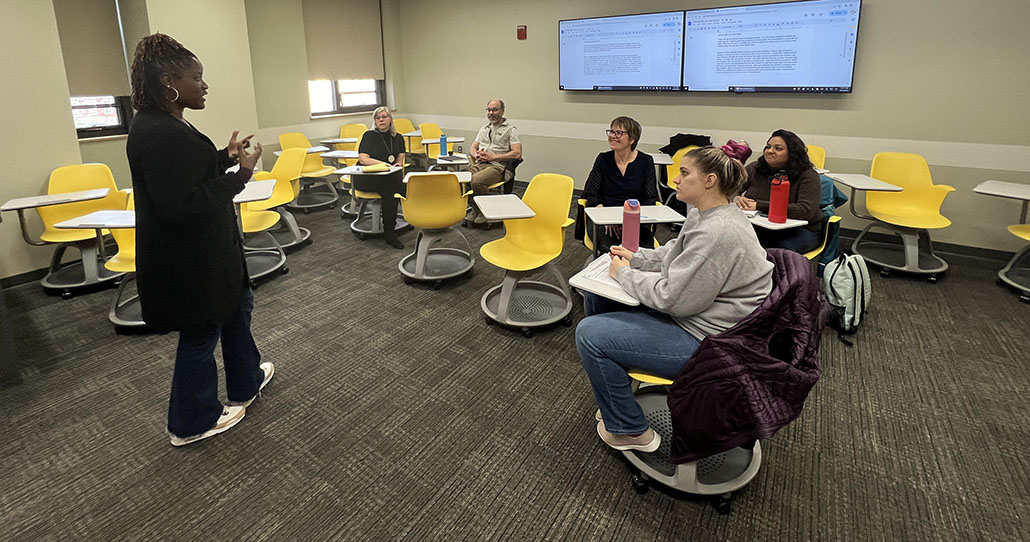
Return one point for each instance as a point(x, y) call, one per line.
point(648, 441)
point(231, 415)
point(269, 370)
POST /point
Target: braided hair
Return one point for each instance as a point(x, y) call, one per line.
point(156, 54)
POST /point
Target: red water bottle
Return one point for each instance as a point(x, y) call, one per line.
point(779, 194)
point(631, 225)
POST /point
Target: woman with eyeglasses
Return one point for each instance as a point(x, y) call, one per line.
point(383, 145)
point(620, 174)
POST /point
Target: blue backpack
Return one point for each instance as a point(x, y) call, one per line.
point(830, 199)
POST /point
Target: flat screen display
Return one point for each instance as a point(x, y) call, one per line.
point(806, 46)
point(628, 52)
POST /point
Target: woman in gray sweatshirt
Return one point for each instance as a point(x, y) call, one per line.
point(701, 283)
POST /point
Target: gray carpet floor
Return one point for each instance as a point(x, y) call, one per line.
point(397, 413)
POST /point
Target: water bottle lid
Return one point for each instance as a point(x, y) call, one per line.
point(633, 203)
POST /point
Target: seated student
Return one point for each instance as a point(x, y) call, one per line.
point(620, 174)
point(383, 145)
point(701, 283)
point(787, 153)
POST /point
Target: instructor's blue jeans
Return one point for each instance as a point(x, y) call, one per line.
point(614, 338)
point(194, 406)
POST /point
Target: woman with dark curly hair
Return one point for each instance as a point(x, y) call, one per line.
point(190, 270)
point(786, 153)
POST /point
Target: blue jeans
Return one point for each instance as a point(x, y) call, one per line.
point(194, 407)
point(614, 338)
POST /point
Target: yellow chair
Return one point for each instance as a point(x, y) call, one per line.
point(434, 203)
point(817, 155)
point(355, 130)
point(286, 172)
point(1014, 274)
point(261, 262)
point(530, 244)
point(814, 254)
point(910, 214)
point(413, 145)
point(367, 208)
point(125, 311)
point(431, 130)
point(673, 170)
point(314, 173)
point(88, 271)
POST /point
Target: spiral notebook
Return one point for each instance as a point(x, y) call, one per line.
point(594, 278)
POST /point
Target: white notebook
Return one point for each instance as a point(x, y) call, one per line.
point(595, 279)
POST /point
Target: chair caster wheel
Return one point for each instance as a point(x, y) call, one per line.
point(567, 322)
point(253, 285)
point(1025, 298)
point(932, 279)
point(885, 273)
point(722, 505)
point(464, 223)
point(306, 211)
point(359, 235)
point(436, 285)
point(284, 270)
point(409, 280)
point(489, 321)
point(66, 294)
point(308, 241)
point(640, 484)
point(527, 333)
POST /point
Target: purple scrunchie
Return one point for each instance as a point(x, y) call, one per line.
point(740, 151)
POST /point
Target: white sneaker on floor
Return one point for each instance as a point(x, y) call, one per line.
point(231, 415)
point(269, 370)
point(648, 441)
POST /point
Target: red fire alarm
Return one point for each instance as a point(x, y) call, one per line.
point(520, 31)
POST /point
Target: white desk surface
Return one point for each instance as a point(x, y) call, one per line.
point(821, 170)
point(463, 176)
point(456, 159)
point(594, 278)
point(449, 140)
point(413, 133)
point(101, 219)
point(338, 140)
point(762, 221)
point(1004, 189)
point(661, 159)
point(356, 170)
point(340, 154)
point(503, 207)
point(858, 181)
point(311, 150)
point(54, 199)
point(255, 191)
point(649, 214)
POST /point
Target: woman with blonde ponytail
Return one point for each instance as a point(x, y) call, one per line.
point(713, 275)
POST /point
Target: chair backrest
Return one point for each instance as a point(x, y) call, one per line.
point(673, 170)
point(431, 130)
point(354, 129)
point(910, 172)
point(817, 155)
point(125, 260)
point(73, 179)
point(286, 172)
point(549, 195)
point(412, 144)
point(292, 140)
point(434, 200)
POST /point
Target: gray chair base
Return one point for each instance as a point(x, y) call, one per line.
point(287, 234)
point(528, 304)
point(310, 199)
point(718, 475)
point(1016, 274)
point(369, 219)
point(914, 254)
point(126, 311)
point(435, 264)
point(88, 271)
point(262, 263)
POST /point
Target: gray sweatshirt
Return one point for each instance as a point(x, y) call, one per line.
point(709, 278)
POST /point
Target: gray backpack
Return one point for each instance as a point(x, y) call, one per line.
point(847, 286)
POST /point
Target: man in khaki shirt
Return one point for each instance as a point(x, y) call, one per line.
point(496, 144)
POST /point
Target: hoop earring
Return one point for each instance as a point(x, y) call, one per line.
point(176, 98)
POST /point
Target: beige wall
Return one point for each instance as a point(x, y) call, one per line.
point(940, 78)
point(38, 133)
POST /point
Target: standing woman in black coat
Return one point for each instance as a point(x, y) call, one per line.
point(190, 270)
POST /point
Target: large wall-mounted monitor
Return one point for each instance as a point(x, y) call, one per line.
point(628, 52)
point(806, 46)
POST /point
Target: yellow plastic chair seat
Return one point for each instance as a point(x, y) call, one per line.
point(255, 221)
point(507, 255)
point(649, 378)
point(122, 263)
point(1020, 230)
point(318, 172)
point(816, 252)
point(69, 236)
point(365, 195)
point(911, 217)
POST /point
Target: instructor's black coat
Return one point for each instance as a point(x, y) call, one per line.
point(190, 269)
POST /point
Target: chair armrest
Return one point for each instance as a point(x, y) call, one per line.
point(582, 202)
point(261, 175)
point(937, 194)
point(568, 222)
point(125, 193)
point(469, 193)
point(400, 197)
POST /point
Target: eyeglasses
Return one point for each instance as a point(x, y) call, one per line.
point(382, 117)
point(493, 109)
point(616, 133)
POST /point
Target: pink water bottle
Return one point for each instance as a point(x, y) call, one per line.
point(779, 193)
point(631, 225)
